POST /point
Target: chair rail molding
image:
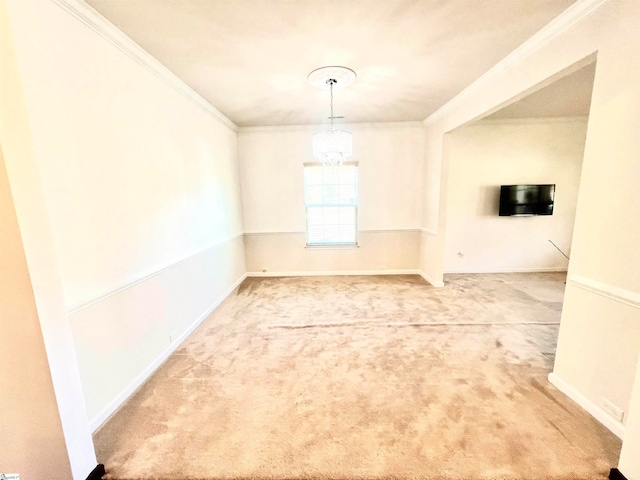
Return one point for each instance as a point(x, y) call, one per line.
point(76, 308)
point(610, 291)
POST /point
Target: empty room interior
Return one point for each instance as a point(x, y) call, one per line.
point(320, 240)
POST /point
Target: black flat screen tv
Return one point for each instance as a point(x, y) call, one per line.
point(526, 200)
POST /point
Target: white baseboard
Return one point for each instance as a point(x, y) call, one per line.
point(617, 428)
point(428, 279)
point(97, 422)
point(330, 273)
point(507, 270)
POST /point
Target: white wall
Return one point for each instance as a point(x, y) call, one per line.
point(36, 329)
point(124, 337)
point(135, 176)
point(141, 185)
point(271, 171)
point(491, 153)
point(118, 204)
point(603, 274)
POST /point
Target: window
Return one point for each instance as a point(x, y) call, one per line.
point(331, 201)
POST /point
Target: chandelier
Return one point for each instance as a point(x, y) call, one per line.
point(332, 146)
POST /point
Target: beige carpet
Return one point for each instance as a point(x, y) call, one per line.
point(364, 378)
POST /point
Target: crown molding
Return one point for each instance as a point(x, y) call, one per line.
point(412, 124)
point(530, 120)
point(100, 25)
point(557, 26)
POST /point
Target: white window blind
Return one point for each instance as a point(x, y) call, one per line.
point(331, 201)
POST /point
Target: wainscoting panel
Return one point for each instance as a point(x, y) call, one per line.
point(122, 338)
point(598, 348)
point(431, 259)
point(378, 251)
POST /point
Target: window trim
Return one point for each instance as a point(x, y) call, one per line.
point(332, 246)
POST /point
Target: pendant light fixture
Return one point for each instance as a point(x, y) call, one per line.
point(332, 146)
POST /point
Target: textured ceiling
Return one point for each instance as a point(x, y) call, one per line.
point(250, 58)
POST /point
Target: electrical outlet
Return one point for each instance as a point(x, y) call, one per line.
point(613, 410)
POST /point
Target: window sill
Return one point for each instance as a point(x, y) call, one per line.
point(336, 246)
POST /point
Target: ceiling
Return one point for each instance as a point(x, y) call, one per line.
point(569, 96)
point(250, 58)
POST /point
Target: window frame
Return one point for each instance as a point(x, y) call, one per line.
point(354, 206)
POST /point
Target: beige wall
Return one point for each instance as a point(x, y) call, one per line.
point(32, 441)
point(604, 249)
point(598, 348)
point(491, 153)
point(394, 251)
point(45, 293)
point(141, 189)
point(389, 160)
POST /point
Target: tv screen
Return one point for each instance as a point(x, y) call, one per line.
point(526, 200)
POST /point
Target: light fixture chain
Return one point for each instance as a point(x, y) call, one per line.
point(331, 91)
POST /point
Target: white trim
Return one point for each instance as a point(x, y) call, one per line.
point(428, 231)
point(530, 120)
point(392, 230)
point(507, 270)
point(337, 273)
point(617, 428)
point(110, 409)
point(386, 230)
point(100, 25)
point(556, 27)
point(351, 126)
point(318, 164)
point(255, 234)
point(331, 246)
point(609, 291)
point(82, 306)
point(429, 280)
